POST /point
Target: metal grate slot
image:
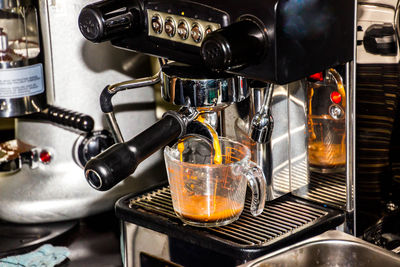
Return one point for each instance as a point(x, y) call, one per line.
point(280, 218)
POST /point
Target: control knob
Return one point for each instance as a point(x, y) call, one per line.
point(241, 43)
point(106, 20)
point(381, 39)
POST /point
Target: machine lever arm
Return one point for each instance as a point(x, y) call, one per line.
point(120, 160)
point(68, 118)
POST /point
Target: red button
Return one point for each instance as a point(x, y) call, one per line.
point(45, 156)
point(319, 76)
point(336, 97)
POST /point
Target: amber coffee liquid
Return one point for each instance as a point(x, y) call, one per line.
point(208, 208)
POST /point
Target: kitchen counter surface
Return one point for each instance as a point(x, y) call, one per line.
point(92, 241)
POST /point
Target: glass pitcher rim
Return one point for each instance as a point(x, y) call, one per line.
point(168, 149)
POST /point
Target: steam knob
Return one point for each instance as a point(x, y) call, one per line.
point(106, 20)
point(262, 123)
point(381, 39)
point(241, 43)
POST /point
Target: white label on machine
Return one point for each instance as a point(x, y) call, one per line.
point(21, 82)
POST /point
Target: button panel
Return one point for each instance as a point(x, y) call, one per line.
point(179, 28)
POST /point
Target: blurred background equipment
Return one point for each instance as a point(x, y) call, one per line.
point(48, 72)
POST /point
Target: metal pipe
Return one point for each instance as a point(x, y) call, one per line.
point(115, 130)
point(133, 84)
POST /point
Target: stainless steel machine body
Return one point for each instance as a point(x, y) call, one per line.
point(22, 77)
point(75, 75)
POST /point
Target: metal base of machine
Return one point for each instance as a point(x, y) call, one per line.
point(149, 219)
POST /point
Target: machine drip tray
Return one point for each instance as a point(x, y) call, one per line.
point(284, 221)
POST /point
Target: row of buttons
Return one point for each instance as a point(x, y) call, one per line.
point(183, 28)
point(179, 28)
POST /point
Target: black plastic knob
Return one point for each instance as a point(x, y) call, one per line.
point(381, 39)
point(120, 160)
point(107, 20)
point(241, 43)
point(91, 144)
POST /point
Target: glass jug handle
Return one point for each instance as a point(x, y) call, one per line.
point(257, 183)
point(339, 84)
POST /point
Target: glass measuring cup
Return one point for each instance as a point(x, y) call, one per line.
point(327, 124)
point(207, 194)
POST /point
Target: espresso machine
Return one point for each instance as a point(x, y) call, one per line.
point(247, 70)
point(48, 72)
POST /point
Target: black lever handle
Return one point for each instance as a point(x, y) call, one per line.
point(68, 118)
point(109, 19)
point(120, 160)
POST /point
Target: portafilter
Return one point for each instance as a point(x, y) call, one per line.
point(197, 90)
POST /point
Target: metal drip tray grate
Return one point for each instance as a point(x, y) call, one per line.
point(280, 218)
point(325, 188)
point(328, 189)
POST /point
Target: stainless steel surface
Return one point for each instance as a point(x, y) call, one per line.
point(21, 72)
point(350, 84)
point(298, 135)
point(76, 72)
point(332, 248)
point(279, 183)
point(20, 106)
point(278, 220)
point(137, 240)
point(203, 93)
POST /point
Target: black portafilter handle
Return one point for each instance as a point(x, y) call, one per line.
point(68, 118)
point(106, 20)
point(120, 160)
point(241, 43)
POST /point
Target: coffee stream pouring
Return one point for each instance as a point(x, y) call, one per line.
point(226, 45)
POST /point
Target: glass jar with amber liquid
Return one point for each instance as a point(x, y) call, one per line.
point(326, 123)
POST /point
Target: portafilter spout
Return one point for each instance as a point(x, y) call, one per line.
point(191, 87)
